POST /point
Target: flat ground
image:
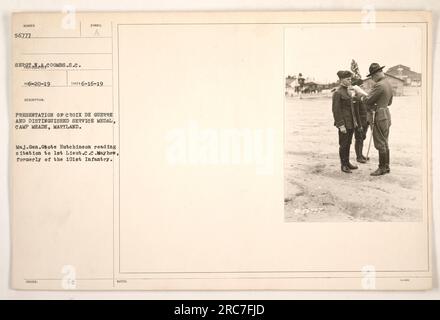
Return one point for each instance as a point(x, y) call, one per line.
point(316, 189)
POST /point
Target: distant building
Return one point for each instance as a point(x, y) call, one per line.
point(410, 78)
point(395, 82)
point(291, 83)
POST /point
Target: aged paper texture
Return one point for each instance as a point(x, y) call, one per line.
point(183, 151)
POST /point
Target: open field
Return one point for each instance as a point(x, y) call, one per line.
point(316, 189)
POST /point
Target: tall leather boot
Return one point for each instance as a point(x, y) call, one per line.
point(341, 155)
point(382, 169)
point(358, 146)
point(347, 157)
point(344, 167)
point(387, 161)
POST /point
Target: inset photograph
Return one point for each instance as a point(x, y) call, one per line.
point(353, 124)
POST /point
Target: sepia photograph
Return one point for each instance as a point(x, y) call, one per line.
point(353, 123)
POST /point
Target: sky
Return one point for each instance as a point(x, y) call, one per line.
point(319, 52)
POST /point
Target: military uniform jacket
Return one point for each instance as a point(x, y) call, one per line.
point(343, 111)
point(360, 112)
point(380, 97)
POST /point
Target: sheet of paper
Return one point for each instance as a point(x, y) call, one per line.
point(184, 151)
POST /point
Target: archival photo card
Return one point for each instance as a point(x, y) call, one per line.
point(221, 151)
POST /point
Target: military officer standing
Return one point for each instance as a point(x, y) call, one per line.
point(344, 119)
point(360, 133)
point(378, 100)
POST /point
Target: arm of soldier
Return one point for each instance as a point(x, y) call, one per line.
point(373, 96)
point(359, 91)
point(337, 111)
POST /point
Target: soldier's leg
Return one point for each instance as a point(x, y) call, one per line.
point(358, 146)
point(380, 138)
point(386, 131)
point(343, 138)
point(365, 130)
point(347, 151)
point(368, 127)
point(387, 161)
point(341, 146)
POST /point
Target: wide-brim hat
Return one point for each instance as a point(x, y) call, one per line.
point(374, 67)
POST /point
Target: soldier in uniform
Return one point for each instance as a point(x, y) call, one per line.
point(360, 133)
point(378, 100)
point(344, 119)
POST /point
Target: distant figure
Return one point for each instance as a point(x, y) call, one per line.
point(378, 100)
point(344, 119)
